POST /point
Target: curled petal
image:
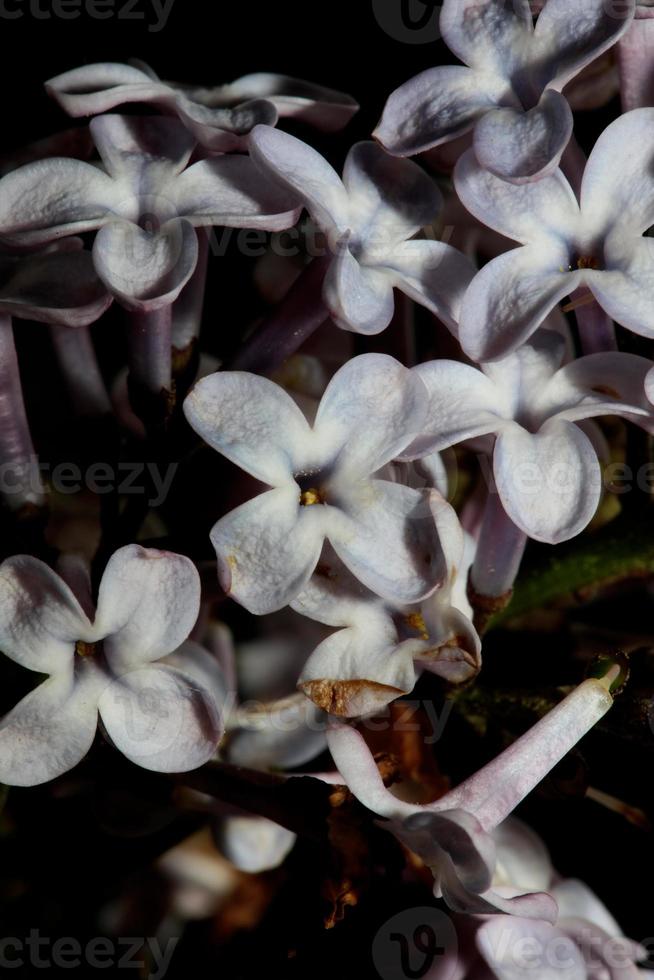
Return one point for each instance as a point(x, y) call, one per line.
point(147, 605)
point(550, 483)
point(359, 298)
point(325, 108)
point(524, 146)
point(223, 130)
point(611, 383)
point(145, 271)
point(161, 719)
point(523, 861)
point(470, 848)
point(437, 106)
point(56, 287)
point(268, 548)
point(92, 89)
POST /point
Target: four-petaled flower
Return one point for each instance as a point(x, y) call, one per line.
point(369, 219)
point(511, 92)
point(322, 480)
point(107, 662)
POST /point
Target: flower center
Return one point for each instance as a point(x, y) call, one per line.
point(84, 649)
point(311, 496)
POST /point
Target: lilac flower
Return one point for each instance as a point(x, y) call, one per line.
point(145, 202)
point(370, 219)
point(635, 60)
point(322, 480)
point(545, 468)
point(381, 646)
point(565, 245)
point(510, 93)
point(105, 662)
point(220, 118)
point(453, 836)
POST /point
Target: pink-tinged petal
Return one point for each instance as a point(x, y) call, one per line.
point(437, 106)
point(388, 538)
point(492, 35)
point(49, 199)
point(512, 296)
point(254, 844)
point(463, 404)
point(148, 603)
point(268, 548)
point(92, 89)
point(470, 849)
point(577, 901)
point(358, 297)
point(223, 130)
point(161, 719)
point(453, 650)
point(280, 734)
point(228, 190)
point(253, 422)
point(611, 383)
point(371, 409)
point(322, 107)
point(524, 146)
point(532, 212)
point(617, 194)
point(145, 271)
point(57, 287)
point(550, 482)
point(50, 730)
point(304, 173)
point(605, 955)
point(495, 791)
point(40, 618)
point(635, 75)
point(127, 144)
point(433, 274)
point(390, 199)
point(625, 289)
point(359, 671)
point(570, 37)
point(538, 905)
point(523, 861)
point(513, 947)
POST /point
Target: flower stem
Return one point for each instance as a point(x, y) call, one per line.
point(292, 322)
point(497, 561)
point(636, 63)
point(16, 447)
point(187, 309)
point(596, 328)
point(151, 388)
point(79, 366)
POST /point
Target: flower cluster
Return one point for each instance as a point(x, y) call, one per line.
point(337, 518)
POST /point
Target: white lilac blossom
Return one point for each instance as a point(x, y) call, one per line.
point(594, 245)
point(144, 200)
point(509, 89)
point(369, 219)
point(323, 484)
point(106, 663)
point(220, 117)
point(545, 467)
point(381, 647)
point(584, 941)
point(453, 835)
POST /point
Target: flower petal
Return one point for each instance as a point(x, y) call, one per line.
point(161, 719)
point(524, 146)
point(304, 173)
point(492, 35)
point(267, 549)
point(254, 844)
point(142, 148)
point(145, 271)
point(40, 618)
point(148, 603)
point(611, 383)
point(49, 731)
point(253, 422)
point(550, 483)
point(359, 298)
point(371, 409)
point(280, 734)
point(512, 296)
point(92, 89)
point(531, 212)
point(389, 540)
point(322, 107)
point(434, 274)
point(512, 946)
point(228, 190)
point(437, 106)
point(625, 290)
point(55, 287)
point(523, 861)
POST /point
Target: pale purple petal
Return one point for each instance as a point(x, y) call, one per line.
point(254, 844)
point(549, 482)
point(253, 422)
point(161, 719)
point(129, 144)
point(524, 146)
point(268, 548)
point(513, 947)
point(56, 287)
point(358, 297)
point(359, 771)
point(491, 35)
point(437, 106)
point(145, 271)
point(625, 290)
point(523, 861)
point(433, 274)
point(92, 89)
point(147, 605)
point(611, 383)
point(325, 108)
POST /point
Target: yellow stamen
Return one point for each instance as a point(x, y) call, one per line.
point(310, 497)
point(83, 649)
point(580, 301)
point(416, 621)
